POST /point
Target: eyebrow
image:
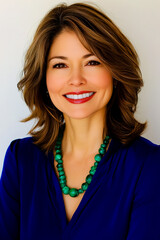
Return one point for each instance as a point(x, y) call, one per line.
point(65, 58)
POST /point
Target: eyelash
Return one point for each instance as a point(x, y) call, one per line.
point(58, 65)
point(90, 63)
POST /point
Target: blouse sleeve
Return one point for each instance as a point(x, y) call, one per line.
point(145, 213)
point(9, 196)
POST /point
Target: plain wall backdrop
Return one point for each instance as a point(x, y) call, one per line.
point(139, 20)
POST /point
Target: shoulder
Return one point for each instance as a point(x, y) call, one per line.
point(23, 157)
point(145, 208)
point(23, 152)
point(146, 156)
point(23, 146)
point(138, 151)
point(140, 157)
point(143, 149)
point(145, 144)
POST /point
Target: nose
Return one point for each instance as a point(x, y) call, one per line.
point(76, 77)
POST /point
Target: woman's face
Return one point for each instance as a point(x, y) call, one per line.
point(78, 83)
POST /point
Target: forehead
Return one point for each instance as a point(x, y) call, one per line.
point(67, 41)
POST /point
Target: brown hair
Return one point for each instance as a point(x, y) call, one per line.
point(102, 37)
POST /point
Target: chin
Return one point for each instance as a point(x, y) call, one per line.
point(76, 116)
point(79, 115)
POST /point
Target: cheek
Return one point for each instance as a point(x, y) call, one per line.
point(53, 85)
point(104, 80)
point(54, 88)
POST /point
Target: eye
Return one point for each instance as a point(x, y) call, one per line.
point(93, 63)
point(59, 65)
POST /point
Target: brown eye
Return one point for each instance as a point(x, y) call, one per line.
point(93, 63)
point(59, 65)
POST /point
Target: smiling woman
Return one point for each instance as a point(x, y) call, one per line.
point(85, 172)
point(100, 38)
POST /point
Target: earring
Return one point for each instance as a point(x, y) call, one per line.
point(47, 94)
point(114, 83)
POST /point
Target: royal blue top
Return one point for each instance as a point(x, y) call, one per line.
point(121, 203)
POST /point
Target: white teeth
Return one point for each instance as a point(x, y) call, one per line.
point(79, 96)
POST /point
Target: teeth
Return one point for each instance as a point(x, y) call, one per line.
point(79, 96)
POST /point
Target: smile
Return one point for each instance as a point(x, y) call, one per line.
point(79, 97)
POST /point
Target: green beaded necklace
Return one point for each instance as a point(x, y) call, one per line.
point(73, 192)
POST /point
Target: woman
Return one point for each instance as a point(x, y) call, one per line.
point(85, 172)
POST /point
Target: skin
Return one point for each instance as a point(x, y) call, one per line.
point(84, 121)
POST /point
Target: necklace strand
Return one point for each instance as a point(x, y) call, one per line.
point(73, 192)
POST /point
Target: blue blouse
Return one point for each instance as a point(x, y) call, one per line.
point(121, 203)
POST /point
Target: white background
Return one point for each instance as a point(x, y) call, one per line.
point(139, 20)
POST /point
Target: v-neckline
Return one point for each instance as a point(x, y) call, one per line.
point(96, 181)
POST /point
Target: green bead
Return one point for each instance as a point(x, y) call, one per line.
point(92, 172)
point(58, 156)
point(59, 165)
point(73, 192)
point(59, 161)
point(102, 151)
point(62, 185)
point(89, 179)
point(80, 190)
point(58, 151)
point(103, 145)
point(62, 177)
point(62, 181)
point(98, 158)
point(93, 168)
point(96, 164)
point(61, 173)
point(60, 169)
point(65, 190)
point(107, 137)
point(57, 147)
point(106, 141)
point(84, 186)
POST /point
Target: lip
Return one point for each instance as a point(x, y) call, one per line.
point(79, 101)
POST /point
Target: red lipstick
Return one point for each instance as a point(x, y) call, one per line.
point(78, 101)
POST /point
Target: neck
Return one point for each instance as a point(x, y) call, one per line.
point(83, 137)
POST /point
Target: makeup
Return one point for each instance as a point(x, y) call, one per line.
point(79, 97)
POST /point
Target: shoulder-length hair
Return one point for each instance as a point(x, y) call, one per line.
point(103, 38)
